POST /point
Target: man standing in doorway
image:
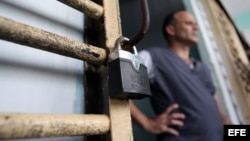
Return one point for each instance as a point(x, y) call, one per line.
point(183, 94)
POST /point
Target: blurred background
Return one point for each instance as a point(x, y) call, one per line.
point(35, 81)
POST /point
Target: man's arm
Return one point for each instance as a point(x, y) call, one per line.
point(160, 123)
point(225, 119)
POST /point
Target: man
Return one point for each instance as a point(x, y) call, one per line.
point(183, 95)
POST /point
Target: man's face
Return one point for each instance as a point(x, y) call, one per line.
point(185, 28)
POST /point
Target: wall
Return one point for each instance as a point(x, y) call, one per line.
point(216, 59)
point(36, 81)
point(240, 14)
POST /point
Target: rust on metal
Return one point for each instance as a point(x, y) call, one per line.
point(37, 38)
point(112, 22)
point(88, 7)
point(20, 126)
point(118, 109)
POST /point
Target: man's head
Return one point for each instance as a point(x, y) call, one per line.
point(180, 26)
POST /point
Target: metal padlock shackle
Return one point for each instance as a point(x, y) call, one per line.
point(119, 41)
point(145, 24)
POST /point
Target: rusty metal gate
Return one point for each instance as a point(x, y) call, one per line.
point(104, 118)
point(103, 115)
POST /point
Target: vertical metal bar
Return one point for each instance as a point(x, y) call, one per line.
point(111, 22)
point(95, 76)
point(118, 109)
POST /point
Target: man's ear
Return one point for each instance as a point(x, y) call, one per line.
point(170, 30)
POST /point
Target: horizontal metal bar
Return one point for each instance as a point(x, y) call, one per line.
point(88, 7)
point(22, 126)
point(30, 36)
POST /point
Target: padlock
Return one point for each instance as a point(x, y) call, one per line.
point(128, 77)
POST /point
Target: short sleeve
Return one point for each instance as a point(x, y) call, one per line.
point(145, 55)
